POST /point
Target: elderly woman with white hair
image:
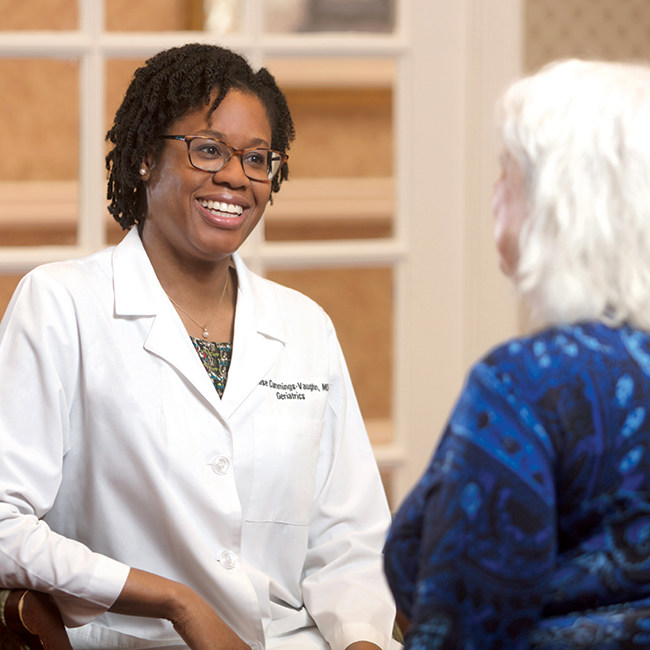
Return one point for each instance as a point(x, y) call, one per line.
point(531, 526)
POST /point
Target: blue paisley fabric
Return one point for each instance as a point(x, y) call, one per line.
point(531, 526)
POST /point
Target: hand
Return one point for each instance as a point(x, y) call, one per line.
point(363, 645)
point(147, 594)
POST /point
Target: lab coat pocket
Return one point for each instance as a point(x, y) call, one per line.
point(284, 470)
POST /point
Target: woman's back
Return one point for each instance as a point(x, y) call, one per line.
point(538, 499)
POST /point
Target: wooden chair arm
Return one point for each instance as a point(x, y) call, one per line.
point(30, 620)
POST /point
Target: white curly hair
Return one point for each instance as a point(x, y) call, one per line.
point(580, 132)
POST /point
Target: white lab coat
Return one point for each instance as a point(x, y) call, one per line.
point(268, 503)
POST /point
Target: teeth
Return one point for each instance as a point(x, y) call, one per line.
point(216, 206)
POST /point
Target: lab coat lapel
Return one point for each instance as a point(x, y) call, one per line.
point(169, 340)
point(260, 337)
point(139, 294)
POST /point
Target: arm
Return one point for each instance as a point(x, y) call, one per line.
point(487, 528)
point(402, 549)
point(39, 361)
point(146, 594)
point(344, 588)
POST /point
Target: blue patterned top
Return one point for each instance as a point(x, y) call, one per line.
point(531, 526)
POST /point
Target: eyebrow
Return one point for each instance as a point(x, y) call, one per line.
point(256, 142)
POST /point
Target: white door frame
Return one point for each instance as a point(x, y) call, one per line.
point(455, 303)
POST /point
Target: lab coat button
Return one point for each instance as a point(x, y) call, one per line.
point(227, 560)
point(255, 645)
point(220, 465)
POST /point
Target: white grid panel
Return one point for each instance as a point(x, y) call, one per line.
point(92, 45)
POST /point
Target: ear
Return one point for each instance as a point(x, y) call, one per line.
point(147, 165)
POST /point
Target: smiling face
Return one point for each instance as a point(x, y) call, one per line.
point(195, 216)
point(510, 207)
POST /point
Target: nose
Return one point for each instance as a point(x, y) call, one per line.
point(232, 173)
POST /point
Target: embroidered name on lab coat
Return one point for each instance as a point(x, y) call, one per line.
point(297, 390)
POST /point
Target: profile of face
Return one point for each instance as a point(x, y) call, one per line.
point(195, 215)
point(509, 207)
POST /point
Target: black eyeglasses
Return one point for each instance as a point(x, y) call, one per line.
point(212, 155)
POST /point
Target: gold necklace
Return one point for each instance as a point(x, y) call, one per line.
point(205, 334)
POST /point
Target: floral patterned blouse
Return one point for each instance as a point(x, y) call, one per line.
point(216, 360)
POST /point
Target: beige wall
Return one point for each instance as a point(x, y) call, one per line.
point(460, 301)
point(594, 29)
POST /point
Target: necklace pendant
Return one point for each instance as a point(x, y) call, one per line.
point(206, 334)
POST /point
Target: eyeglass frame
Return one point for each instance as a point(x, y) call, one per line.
point(187, 139)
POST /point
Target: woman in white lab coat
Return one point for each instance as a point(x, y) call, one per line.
point(183, 459)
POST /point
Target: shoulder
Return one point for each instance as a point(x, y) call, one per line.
point(54, 289)
point(558, 375)
point(71, 273)
point(558, 353)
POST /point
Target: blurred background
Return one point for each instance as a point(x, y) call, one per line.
point(385, 220)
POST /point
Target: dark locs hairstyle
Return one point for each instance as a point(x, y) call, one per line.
point(169, 85)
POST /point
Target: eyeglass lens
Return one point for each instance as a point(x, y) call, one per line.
point(212, 155)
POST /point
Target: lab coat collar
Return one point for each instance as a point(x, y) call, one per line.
point(136, 287)
point(139, 294)
point(257, 304)
point(260, 329)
